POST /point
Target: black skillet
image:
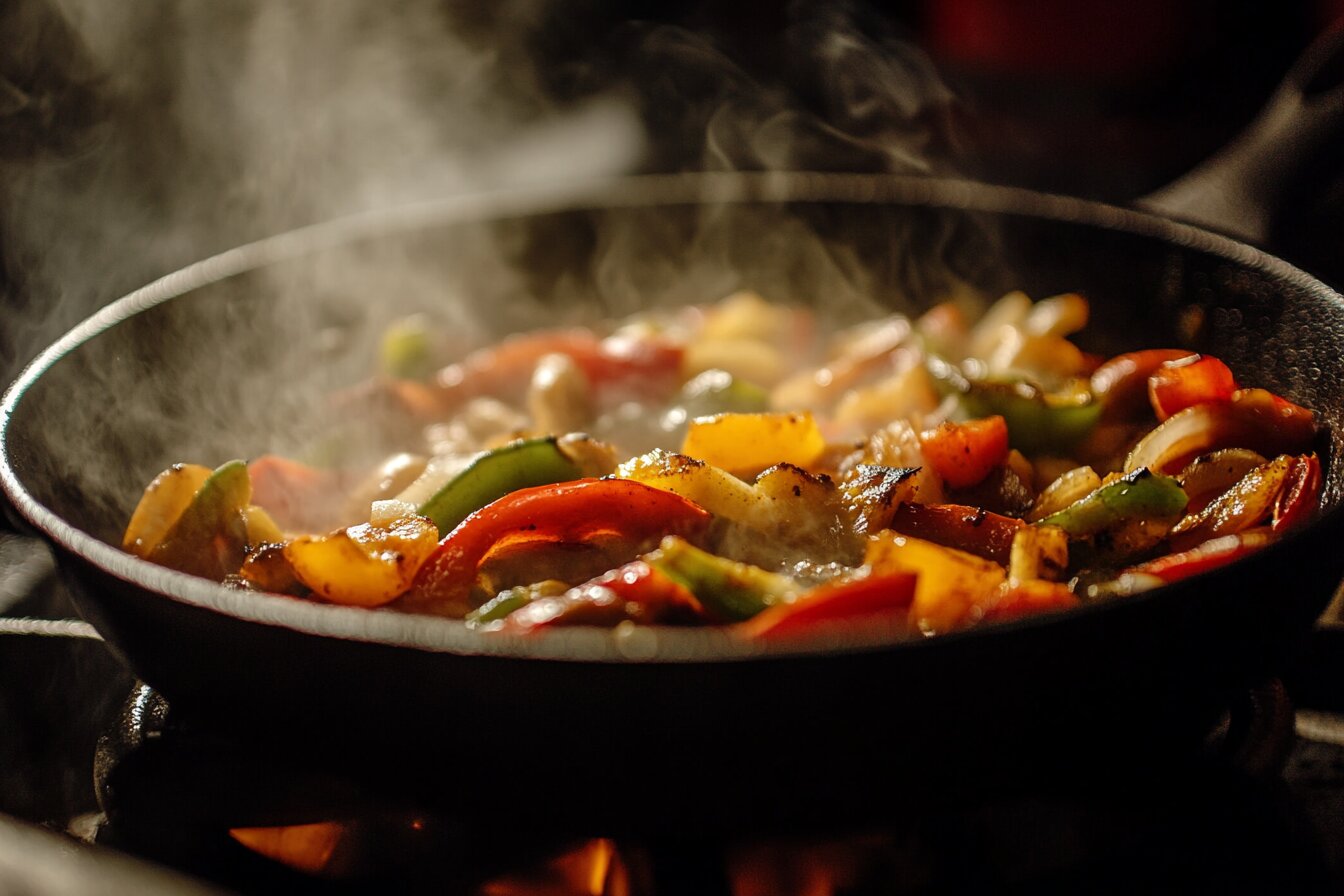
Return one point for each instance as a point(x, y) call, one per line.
point(673, 730)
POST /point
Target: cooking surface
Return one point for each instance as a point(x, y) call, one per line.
point(1262, 806)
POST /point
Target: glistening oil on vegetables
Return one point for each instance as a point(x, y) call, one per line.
point(733, 465)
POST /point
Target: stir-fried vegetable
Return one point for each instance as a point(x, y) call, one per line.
point(569, 513)
point(495, 474)
point(731, 465)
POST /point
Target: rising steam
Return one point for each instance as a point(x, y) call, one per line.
point(145, 136)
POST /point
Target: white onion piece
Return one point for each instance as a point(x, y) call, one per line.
point(1191, 431)
point(1072, 486)
point(1253, 419)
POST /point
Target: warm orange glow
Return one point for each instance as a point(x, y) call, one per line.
point(783, 869)
point(593, 868)
point(307, 847)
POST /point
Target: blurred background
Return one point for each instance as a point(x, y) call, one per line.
point(135, 138)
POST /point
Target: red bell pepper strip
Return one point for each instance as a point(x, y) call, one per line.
point(580, 511)
point(635, 591)
point(1121, 384)
point(882, 598)
point(1186, 382)
point(1300, 494)
point(1030, 598)
point(507, 367)
point(1209, 555)
point(962, 454)
point(970, 529)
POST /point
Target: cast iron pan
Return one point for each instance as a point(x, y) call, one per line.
point(673, 730)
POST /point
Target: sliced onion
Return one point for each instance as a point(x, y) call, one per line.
point(1214, 473)
point(1248, 502)
point(1253, 419)
point(1072, 486)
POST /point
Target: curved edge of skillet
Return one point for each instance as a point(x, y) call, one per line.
point(715, 732)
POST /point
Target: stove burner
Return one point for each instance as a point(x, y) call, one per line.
point(179, 792)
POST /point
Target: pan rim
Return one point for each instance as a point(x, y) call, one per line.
point(692, 645)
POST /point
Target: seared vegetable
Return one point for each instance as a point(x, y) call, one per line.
point(970, 529)
point(567, 512)
point(905, 478)
point(1141, 495)
point(636, 592)
point(1246, 504)
point(1251, 418)
point(1121, 384)
point(163, 502)
point(210, 537)
point(1038, 421)
point(964, 453)
point(880, 602)
point(493, 475)
point(1125, 518)
point(1209, 555)
point(1184, 383)
point(952, 585)
point(748, 443)
point(364, 565)
point(730, 591)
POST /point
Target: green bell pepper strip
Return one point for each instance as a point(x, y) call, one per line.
point(1039, 422)
point(725, 588)
point(494, 474)
point(209, 539)
point(1142, 494)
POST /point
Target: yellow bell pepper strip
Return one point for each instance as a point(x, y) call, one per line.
point(872, 601)
point(745, 444)
point(1039, 422)
point(209, 539)
point(636, 592)
point(729, 591)
point(164, 500)
point(581, 511)
point(363, 565)
point(953, 587)
point(969, 529)
point(1210, 555)
point(964, 453)
point(1251, 418)
point(1301, 494)
point(494, 474)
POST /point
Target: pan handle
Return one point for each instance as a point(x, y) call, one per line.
point(1296, 141)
